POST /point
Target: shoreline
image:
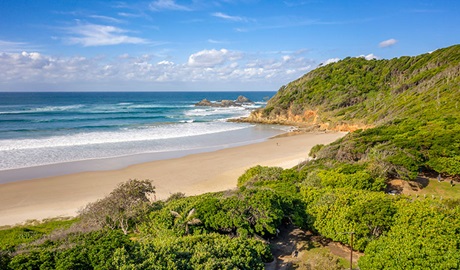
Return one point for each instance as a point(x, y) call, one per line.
point(106, 163)
point(192, 174)
point(53, 161)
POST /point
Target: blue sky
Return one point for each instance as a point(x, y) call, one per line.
point(162, 45)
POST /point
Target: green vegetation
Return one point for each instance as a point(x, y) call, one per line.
point(321, 258)
point(425, 234)
point(360, 91)
point(122, 209)
point(440, 190)
point(334, 213)
point(411, 105)
point(33, 230)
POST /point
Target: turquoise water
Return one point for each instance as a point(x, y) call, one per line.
point(52, 128)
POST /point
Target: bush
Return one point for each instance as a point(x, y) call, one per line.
point(210, 251)
point(125, 205)
point(425, 235)
point(315, 149)
point(81, 251)
point(259, 173)
point(334, 213)
point(447, 165)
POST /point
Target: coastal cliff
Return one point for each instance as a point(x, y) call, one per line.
point(356, 93)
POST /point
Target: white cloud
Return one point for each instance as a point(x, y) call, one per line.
point(167, 5)
point(164, 62)
point(129, 15)
point(90, 35)
point(11, 46)
point(370, 56)
point(106, 18)
point(387, 43)
point(35, 67)
point(331, 60)
point(211, 58)
point(228, 17)
point(213, 41)
point(221, 68)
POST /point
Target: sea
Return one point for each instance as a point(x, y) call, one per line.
point(51, 133)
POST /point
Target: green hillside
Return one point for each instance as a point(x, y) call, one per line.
point(407, 108)
point(371, 92)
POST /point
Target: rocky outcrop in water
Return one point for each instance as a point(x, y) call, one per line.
point(225, 103)
point(242, 100)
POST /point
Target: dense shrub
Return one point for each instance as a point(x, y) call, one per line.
point(259, 173)
point(335, 213)
point(82, 251)
point(210, 251)
point(425, 235)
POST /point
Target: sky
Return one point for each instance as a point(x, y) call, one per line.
point(197, 45)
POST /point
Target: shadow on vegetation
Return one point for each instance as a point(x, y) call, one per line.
point(423, 181)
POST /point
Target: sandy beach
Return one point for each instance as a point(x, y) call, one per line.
point(193, 174)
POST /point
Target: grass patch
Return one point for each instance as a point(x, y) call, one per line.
point(321, 258)
point(32, 230)
point(441, 189)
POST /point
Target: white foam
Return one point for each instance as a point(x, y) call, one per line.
point(152, 106)
point(45, 109)
point(144, 133)
point(215, 111)
point(57, 108)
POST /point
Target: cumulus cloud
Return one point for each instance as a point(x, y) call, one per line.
point(223, 68)
point(228, 17)
point(164, 62)
point(370, 56)
point(100, 35)
point(35, 67)
point(387, 43)
point(331, 60)
point(211, 58)
point(167, 5)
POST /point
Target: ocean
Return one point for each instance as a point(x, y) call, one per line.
point(59, 129)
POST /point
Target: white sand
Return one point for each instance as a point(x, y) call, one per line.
point(194, 174)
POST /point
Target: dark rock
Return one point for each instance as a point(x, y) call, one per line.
point(204, 102)
point(243, 99)
point(224, 103)
point(228, 103)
